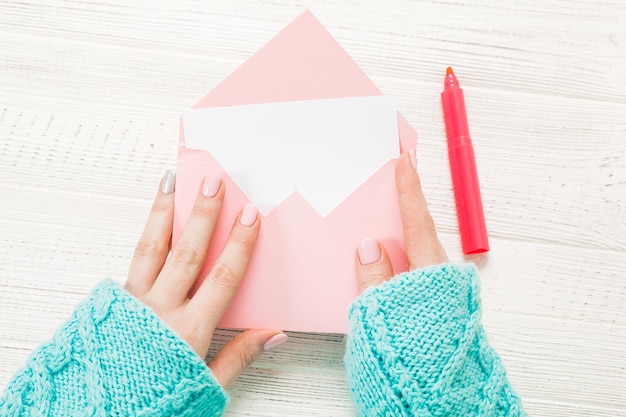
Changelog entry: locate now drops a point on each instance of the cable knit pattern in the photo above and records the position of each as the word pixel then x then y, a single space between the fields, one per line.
pixel 417 347
pixel 114 357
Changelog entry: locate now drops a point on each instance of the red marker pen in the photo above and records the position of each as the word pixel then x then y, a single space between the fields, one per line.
pixel 469 206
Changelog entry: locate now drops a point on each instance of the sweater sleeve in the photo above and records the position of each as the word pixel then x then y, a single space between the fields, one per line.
pixel 114 357
pixel 416 347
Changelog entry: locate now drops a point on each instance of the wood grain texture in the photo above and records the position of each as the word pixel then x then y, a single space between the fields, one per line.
pixel 91 96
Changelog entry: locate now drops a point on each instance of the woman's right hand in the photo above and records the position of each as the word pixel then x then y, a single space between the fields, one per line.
pixel 420 236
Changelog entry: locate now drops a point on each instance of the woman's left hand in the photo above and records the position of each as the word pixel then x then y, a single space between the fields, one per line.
pixel 163 282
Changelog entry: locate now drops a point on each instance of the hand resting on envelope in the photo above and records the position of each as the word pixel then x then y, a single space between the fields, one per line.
pixel 140 350
pixel 420 236
pixel 163 282
pixel 416 345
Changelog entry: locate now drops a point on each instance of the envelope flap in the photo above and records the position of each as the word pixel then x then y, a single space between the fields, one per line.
pixel 303 54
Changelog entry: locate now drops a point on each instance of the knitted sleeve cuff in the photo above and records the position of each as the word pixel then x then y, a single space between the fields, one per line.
pixel 114 356
pixel 416 347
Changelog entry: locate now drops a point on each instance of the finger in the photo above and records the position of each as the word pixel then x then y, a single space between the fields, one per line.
pixel 222 281
pixel 373 266
pixel 153 245
pixel 188 256
pixel 241 351
pixel 420 236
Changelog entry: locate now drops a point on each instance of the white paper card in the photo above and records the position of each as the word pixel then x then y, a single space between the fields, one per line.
pixel 324 149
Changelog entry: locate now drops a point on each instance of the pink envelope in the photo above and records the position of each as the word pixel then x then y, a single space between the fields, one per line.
pixel 302 275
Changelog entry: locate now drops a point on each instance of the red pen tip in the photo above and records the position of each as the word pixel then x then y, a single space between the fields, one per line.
pixel 449 71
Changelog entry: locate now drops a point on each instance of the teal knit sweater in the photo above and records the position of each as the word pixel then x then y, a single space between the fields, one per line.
pixel 114 357
pixel 416 348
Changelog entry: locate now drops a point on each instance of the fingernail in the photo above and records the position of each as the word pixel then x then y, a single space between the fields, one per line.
pixel 275 340
pixel 413 158
pixel 249 215
pixel 169 182
pixel 211 185
pixel 369 252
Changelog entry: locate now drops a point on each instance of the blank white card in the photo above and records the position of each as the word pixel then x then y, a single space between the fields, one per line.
pixel 323 149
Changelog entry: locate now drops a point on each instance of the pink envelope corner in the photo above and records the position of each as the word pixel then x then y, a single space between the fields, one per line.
pixel 302 275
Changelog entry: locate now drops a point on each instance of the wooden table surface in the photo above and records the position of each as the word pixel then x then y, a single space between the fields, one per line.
pixel 90 98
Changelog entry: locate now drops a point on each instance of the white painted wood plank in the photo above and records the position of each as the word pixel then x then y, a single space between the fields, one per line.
pixel 134 54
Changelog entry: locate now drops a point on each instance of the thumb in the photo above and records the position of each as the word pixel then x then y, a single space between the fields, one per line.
pixel 373 266
pixel 239 352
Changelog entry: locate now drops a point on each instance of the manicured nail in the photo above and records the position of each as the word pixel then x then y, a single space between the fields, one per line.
pixel 211 185
pixel 369 252
pixel 275 340
pixel 169 182
pixel 413 158
pixel 249 215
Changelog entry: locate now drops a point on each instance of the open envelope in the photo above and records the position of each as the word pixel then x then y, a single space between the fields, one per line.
pixel 302 275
